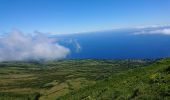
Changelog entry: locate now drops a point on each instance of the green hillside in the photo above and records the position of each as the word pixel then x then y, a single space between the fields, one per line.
pixel 147 83
pixel 49 80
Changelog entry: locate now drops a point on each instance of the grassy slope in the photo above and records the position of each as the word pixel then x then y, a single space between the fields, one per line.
pixel 148 83
pixel 46 81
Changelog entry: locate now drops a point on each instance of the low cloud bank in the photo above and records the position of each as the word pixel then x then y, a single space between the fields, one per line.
pixel 164 31
pixel 16 46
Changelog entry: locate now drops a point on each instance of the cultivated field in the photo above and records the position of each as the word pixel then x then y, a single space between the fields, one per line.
pixel 49 80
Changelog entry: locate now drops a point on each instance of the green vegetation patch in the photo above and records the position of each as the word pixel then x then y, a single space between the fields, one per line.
pixel 144 83
pixel 56 78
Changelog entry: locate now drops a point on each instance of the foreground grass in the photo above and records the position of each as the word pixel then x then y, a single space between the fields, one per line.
pixel 147 83
pixel 48 80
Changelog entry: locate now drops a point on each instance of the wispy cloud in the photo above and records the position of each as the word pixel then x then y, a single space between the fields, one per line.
pixel 17 46
pixel 78 47
pixel 76 44
pixel 165 30
pixel 151 26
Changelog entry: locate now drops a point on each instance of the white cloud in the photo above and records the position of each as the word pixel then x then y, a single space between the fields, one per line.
pixel 164 31
pixel 161 31
pixel 75 43
pixel 78 47
pixel 17 46
pixel 151 26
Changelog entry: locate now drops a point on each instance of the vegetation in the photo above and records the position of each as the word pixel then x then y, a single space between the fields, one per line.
pixel 33 80
pixel 142 83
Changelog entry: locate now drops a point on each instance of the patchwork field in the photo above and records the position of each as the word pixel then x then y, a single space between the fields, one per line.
pixel 143 83
pixel 50 80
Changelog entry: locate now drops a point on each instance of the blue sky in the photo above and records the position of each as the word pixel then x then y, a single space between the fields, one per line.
pixel 69 16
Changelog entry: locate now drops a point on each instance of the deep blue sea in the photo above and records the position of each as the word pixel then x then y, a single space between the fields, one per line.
pixel 120 44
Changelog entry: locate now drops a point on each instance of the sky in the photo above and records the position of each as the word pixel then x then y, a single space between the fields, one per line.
pixel 76 16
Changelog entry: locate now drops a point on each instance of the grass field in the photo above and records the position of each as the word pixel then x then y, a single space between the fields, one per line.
pixel 50 80
pixel 143 83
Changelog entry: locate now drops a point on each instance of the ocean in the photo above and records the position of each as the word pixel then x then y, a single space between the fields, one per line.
pixel 117 44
